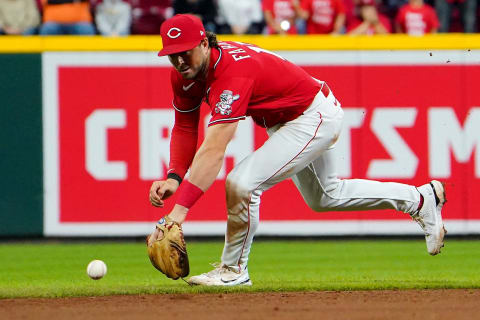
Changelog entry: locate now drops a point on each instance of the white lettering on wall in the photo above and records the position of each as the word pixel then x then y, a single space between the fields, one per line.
pixel 155 128
pixel 446 136
pixel 447 140
pixel 404 162
pixel 353 118
pixel 96 144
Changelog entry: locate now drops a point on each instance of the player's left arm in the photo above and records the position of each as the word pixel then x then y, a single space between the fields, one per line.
pixel 208 161
pixel 229 98
pixel 209 157
pixel 205 167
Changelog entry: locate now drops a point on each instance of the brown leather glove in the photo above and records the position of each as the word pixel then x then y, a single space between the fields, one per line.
pixel 169 253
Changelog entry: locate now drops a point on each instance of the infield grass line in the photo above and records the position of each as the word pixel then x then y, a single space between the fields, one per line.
pixel 59 270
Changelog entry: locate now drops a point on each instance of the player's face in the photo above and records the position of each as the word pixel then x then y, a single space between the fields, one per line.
pixel 191 63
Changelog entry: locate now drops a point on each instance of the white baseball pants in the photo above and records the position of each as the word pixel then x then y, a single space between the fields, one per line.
pixel 300 149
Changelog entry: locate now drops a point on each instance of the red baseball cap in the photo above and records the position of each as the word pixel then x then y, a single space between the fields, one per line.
pixel 181 32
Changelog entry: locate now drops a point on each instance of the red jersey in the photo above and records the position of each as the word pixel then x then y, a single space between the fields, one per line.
pixel 282 10
pixel 417 20
pixel 243 80
pixel 322 14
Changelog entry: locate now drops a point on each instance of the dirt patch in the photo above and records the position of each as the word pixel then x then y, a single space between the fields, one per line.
pixel 389 304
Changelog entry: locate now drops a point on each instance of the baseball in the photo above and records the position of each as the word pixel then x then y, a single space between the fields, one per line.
pixel 96 269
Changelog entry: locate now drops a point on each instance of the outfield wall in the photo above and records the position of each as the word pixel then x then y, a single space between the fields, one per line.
pixel 21 184
pixel 412 110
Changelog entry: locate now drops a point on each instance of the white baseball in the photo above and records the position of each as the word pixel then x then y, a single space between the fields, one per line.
pixel 96 269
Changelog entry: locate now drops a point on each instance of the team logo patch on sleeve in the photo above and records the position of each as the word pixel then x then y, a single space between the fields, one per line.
pixel 224 106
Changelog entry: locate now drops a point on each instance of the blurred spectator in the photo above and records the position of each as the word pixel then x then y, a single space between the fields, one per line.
pixel 323 16
pixel 281 16
pixel 416 18
pixel 204 9
pixel 467 10
pixel 392 7
pixel 19 17
pixel 67 17
pixel 148 15
pixel 242 16
pixel 368 20
pixel 113 18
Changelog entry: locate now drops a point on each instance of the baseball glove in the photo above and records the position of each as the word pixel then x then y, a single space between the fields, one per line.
pixel 169 253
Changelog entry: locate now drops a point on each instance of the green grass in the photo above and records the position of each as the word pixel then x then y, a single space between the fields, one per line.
pixel 59 270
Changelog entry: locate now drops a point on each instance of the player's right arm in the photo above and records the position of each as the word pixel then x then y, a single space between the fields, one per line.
pixel 183 142
pixel 183 145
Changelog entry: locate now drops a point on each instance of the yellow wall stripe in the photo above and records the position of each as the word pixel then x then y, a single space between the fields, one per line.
pixel 32 44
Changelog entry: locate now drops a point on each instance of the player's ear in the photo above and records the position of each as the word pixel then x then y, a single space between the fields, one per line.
pixel 204 44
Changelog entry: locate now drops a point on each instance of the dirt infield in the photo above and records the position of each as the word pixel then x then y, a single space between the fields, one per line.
pixel 401 304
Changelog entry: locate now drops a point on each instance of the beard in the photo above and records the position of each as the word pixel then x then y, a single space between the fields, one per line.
pixel 199 72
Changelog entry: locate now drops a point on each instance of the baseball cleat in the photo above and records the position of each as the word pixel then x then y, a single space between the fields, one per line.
pixel 222 275
pixel 429 217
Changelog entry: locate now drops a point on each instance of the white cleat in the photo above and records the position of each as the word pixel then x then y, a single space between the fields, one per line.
pixel 429 217
pixel 222 275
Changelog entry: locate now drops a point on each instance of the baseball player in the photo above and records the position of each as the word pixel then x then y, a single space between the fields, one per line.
pixel 303 120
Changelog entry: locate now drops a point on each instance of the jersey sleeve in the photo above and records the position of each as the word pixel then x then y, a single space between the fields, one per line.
pixel 186 97
pixel 228 99
pixel 183 143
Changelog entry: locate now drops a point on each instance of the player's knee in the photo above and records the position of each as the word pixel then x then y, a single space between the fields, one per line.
pixel 325 200
pixel 319 202
pixel 237 193
pixel 235 185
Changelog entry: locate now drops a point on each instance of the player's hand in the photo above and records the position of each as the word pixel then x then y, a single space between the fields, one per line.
pixel 161 190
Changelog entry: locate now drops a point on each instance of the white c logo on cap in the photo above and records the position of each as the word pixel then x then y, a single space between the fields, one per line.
pixel 170 35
